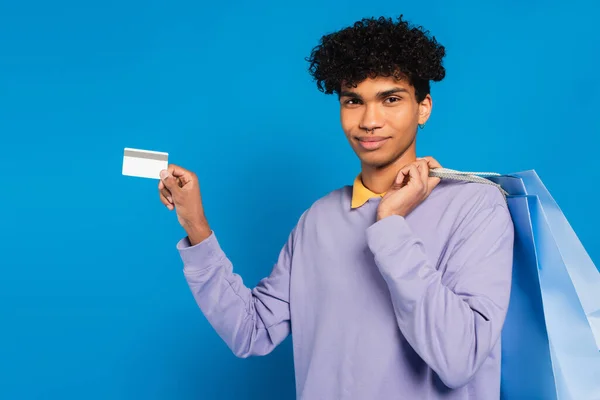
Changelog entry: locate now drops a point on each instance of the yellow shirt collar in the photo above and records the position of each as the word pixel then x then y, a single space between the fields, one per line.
pixel 360 193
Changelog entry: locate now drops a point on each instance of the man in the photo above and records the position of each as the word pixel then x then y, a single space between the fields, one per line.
pixel 393 288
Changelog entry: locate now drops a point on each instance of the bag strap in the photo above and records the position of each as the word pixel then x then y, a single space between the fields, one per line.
pixel 478 177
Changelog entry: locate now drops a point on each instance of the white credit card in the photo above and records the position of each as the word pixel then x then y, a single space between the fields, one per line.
pixel 144 163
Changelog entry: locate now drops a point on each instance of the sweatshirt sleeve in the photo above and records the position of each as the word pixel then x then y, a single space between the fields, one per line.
pixel 452 326
pixel 251 321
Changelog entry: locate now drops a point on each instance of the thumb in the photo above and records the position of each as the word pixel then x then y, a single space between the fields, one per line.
pixel 169 181
pixel 399 178
pixel 399 181
pixel 403 176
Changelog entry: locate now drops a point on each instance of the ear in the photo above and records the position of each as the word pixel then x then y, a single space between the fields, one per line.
pixel 425 109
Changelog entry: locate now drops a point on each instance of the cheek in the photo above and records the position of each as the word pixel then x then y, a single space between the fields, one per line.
pixel 348 121
pixel 402 118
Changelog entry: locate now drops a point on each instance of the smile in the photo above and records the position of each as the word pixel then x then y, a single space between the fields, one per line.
pixel 372 143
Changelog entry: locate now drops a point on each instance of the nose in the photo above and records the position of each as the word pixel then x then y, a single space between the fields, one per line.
pixel 371 118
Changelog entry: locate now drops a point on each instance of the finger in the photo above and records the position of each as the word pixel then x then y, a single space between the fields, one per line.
pixel 165 201
pixel 432 182
pixel 402 177
pixel 423 168
pixel 182 174
pixel 170 182
pixel 164 192
pixel 413 171
pixel 415 177
pixel 167 194
pixel 432 162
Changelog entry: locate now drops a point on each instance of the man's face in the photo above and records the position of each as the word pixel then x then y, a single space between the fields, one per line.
pixel 380 118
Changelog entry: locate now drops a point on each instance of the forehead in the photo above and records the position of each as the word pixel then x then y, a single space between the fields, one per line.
pixel 372 86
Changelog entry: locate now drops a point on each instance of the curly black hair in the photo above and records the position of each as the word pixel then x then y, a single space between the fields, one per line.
pixel 377 47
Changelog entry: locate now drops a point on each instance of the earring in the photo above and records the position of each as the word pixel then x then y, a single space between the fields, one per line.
pixel 421 126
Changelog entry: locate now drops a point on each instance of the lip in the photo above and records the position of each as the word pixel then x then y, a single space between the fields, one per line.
pixel 372 142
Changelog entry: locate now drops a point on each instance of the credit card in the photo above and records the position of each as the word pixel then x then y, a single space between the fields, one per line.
pixel 144 163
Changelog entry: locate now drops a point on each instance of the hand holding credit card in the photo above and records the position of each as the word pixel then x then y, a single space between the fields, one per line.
pixel 178 188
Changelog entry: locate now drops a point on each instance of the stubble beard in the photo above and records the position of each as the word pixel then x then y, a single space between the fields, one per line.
pixel 393 159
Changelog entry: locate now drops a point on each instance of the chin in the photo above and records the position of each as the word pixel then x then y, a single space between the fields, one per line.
pixel 374 160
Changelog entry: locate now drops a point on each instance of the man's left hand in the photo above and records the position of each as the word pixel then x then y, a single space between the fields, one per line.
pixel 412 185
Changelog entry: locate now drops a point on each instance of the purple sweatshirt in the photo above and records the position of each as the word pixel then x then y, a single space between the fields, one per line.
pixel 401 308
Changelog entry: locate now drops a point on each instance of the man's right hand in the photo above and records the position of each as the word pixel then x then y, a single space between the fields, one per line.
pixel 179 189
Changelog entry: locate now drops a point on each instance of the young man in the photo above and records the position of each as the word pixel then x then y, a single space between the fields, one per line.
pixel 393 288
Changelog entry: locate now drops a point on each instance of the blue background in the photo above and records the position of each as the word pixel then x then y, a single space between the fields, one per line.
pixel 93 303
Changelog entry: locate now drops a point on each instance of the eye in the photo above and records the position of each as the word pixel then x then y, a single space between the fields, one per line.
pixel 352 102
pixel 391 100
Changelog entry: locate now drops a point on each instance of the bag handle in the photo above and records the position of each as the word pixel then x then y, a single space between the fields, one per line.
pixel 478 177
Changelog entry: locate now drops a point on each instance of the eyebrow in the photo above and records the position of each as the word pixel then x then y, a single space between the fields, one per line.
pixel 385 93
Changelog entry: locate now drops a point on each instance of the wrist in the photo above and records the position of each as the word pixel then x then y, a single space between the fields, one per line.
pixel 384 214
pixel 198 231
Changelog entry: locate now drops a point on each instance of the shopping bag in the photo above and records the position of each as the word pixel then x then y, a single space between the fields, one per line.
pixel 550 340
pixel 526 368
pixel 569 290
pixel 582 271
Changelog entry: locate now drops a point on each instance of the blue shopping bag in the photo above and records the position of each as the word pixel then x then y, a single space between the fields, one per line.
pixel 527 371
pixel 551 336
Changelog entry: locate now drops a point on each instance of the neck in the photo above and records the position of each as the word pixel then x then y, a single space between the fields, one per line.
pixel 380 179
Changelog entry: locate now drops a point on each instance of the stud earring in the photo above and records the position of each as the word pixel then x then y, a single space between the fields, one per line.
pixel 421 126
